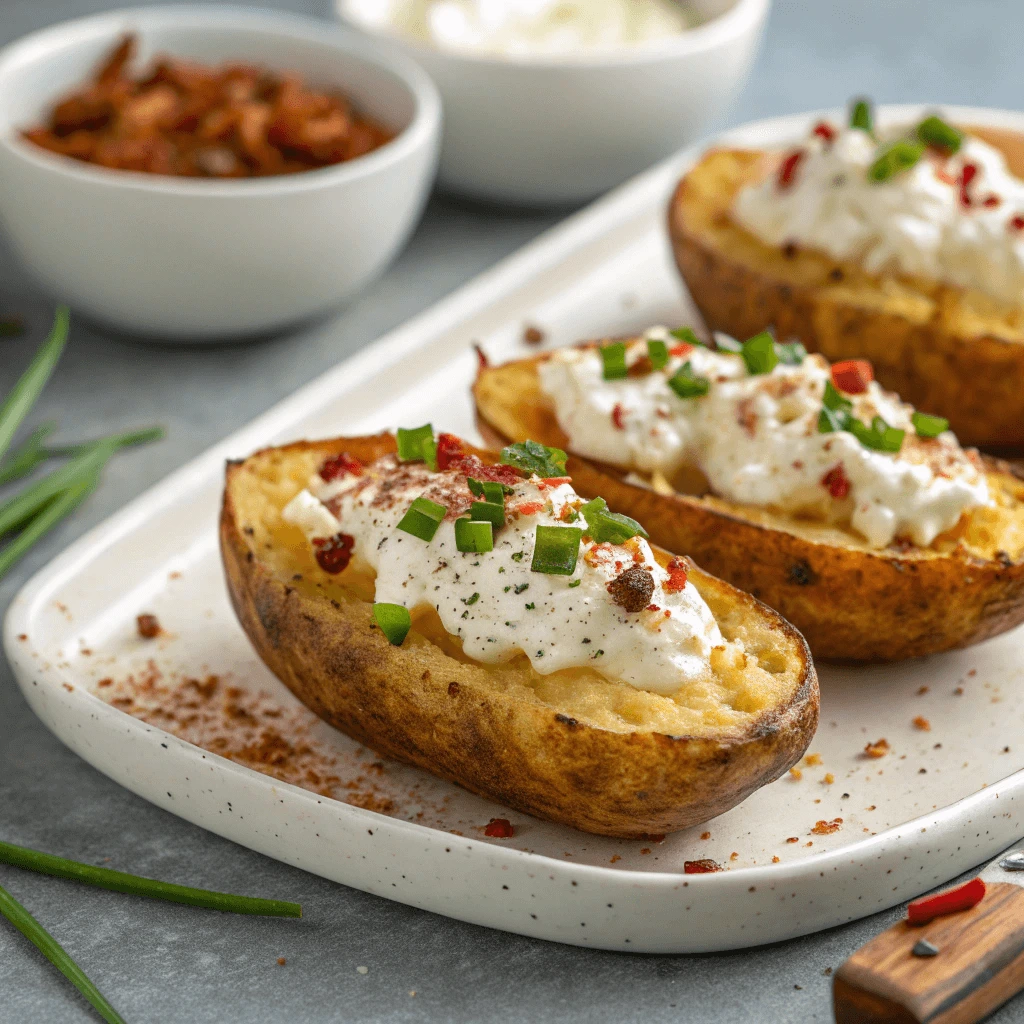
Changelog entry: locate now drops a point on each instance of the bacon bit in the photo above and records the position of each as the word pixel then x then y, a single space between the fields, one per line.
pixel 499 828
pixel 646 850
pixel 922 723
pixel 641 368
pixel 852 376
pixel 1016 223
pixel 796 774
pixel 787 169
pixel 449 449
pixel 281 961
pixel 553 481
pixel 746 416
pixel 333 554
pixel 148 626
pixel 615 859
pixel 922 690
pixel 793 839
pixel 826 828
pixel 532 335
pixel 775 860
pixel 677 575
pixel 705 835
pixel 952 901
pixel 482 362
pixel 340 465
pixel 617 420
pixel 877 749
pixel 812 760
pixel 734 856
pixel 682 349
pixel 528 508
pixel 828 779
pixel 836 483
pixel 991 201
pixel 705 866
pixel 824 131
pixel 967 175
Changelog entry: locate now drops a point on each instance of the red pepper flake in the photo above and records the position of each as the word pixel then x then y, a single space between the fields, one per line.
pixel 836 482
pixel 529 508
pixel 449 449
pixel 499 828
pixel 991 201
pixel 617 420
pixel 826 828
pixel 705 866
pixel 682 349
pixel 334 553
pixel 553 481
pixel 653 608
pixel 967 175
pixel 852 376
pixel 787 169
pixel 963 897
pixel 824 131
pixel 1016 223
pixel 677 574
pixel 339 465
pixel 148 626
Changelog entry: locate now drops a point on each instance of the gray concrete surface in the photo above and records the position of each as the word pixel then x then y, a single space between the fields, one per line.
pixel 176 965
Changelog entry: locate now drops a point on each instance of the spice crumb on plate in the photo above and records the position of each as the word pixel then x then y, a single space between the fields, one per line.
pixel 281 961
pixel 148 626
pixel 922 723
pixel 877 749
pixel 532 335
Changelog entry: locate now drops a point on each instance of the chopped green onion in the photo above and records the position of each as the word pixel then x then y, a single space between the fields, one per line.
pixel 657 352
pixel 861 116
pixel 556 550
pixel 56 954
pixel 832 399
pixel 831 420
pixel 725 343
pixel 487 511
pixel 885 438
pixel 613 360
pixel 472 599
pixel 933 131
pixel 686 384
pixel 575 583
pixel 759 353
pixel 688 335
pixel 792 353
pixel 531 457
pixel 26 391
pixel 414 445
pixel 894 158
pixel 422 518
pixel 609 527
pixel 135 885
pixel 927 425
pixel 489 490
pixel 474 536
pixel 394 621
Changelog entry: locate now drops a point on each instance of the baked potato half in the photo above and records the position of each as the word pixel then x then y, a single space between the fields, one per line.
pixel 571 747
pixel 956 353
pixel 849 600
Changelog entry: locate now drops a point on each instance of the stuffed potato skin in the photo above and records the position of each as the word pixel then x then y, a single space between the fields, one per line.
pixel 454 718
pixel 850 601
pixel 955 354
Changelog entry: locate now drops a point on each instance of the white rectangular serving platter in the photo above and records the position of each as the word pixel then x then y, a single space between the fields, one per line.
pixel 942 800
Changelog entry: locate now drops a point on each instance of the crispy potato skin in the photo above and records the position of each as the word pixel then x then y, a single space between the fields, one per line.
pixel 849 601
pixel 945 351
pixel 417 704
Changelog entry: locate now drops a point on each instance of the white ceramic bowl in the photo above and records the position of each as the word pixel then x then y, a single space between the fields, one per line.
pixel 201 259
pixel 556 131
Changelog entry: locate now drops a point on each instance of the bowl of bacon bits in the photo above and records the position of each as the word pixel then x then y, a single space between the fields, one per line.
pixel 210 173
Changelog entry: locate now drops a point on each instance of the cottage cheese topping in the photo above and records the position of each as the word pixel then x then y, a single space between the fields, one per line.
pixel 492 601
pixel 924 221
pixel 756 439
pixel 526 27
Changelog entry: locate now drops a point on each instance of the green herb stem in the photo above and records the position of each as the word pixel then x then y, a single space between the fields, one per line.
pixel 25 458
pixel 123 440
pixel 56 954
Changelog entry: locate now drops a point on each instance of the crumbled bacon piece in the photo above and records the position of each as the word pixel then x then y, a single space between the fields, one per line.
pixel 677 574
pixel 877 749
pixel 682 349
pixel 553 481
pixel 787 169
pixel 824 131
pixel 922 723
pixel 334 553
pixel 852 376
pixel 529 508
pixel 499 828
pixel 640 367
pixel 991 201
pixel 826 828
pixel 617 420
pixel 1016 222
pixel 704 866
pixel 449 448
pixel 148 626
pixel 967 175
pixel 836 483
pixel 340 465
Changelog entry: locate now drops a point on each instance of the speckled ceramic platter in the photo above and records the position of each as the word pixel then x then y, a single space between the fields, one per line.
pixel 851 835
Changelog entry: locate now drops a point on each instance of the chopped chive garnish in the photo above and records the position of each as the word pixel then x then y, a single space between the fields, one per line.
pixel 56 954
pixel 394 621
pixel 933 131
pixel 32 381
pixel 486 511
pixel 556 549
pixel 878 437
pixel 473 536
pixel 688 335
pixel 531 457
pixel 726 343
pixel 831 420
pixel 488 490
pixel 575 583
pixel 657 352
pixel 417 445
pixel 613 361
pixel 927 425
pixel 520 587
pixel 609 527
pixel 792 353
pixel 832 399
pixel 686 384
pixel 759 353
pixel 422 518
pixel 894 158
pixel 861 116
pixel 517 556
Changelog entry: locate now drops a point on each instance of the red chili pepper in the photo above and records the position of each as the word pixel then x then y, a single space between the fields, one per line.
pixel 787 169
pixel 339 465
pixel 700 867
pixel 952 901
pixel 333 554
pixel 677 574
pixel 529 508
pixel 617 420
pixel 824 131
pixel 836 482
pixel 967 175
pixel 1017 223
pixel 500 828
pixel 682 349
pixel 852 376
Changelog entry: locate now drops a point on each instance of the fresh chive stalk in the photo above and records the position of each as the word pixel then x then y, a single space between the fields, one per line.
pixel 29 455
pixel 933 131
pixel 895 158
pixel 861 116
pixel 135 885
pixel 122 440
pixel 56 954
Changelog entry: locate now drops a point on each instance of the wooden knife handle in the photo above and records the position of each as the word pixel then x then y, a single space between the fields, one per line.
pixel 980 964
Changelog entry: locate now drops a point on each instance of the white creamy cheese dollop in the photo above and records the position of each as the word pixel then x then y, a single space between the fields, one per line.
pixel 492 601
pixel 756 440
pixel 561 28
pixel 923 221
